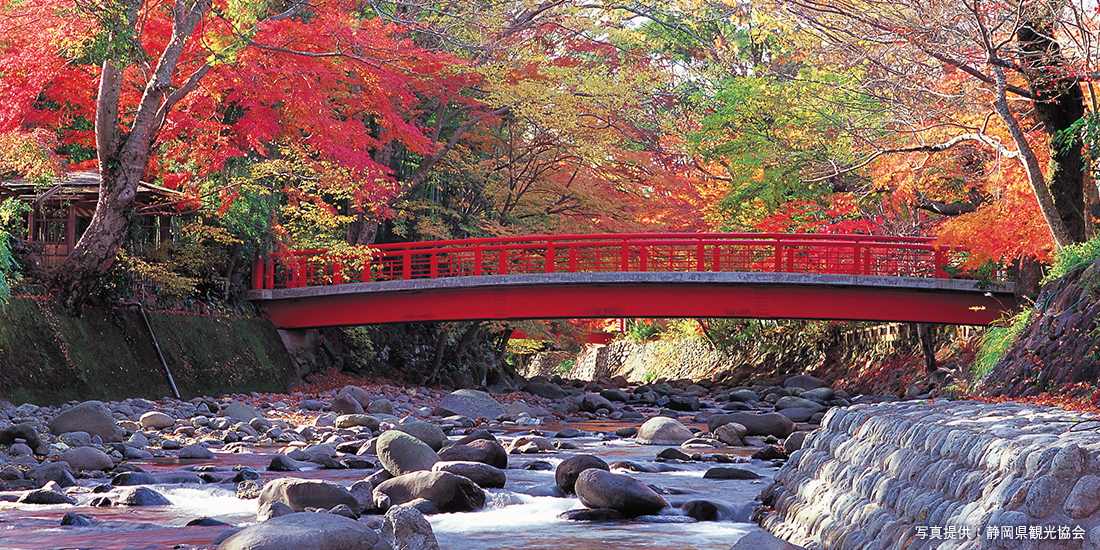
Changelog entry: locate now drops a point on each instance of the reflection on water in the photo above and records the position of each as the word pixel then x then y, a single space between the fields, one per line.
pixel 512 518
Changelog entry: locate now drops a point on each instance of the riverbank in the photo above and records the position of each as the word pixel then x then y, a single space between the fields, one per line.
pixel 49 358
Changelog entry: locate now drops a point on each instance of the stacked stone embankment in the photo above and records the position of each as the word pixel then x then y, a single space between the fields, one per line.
pixel 949 475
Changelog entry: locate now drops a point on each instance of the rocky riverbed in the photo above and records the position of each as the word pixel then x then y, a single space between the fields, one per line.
pixel 559 465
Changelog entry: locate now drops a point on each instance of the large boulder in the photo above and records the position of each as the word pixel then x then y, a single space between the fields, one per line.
pixel 804 382
pixel 142 496
pixel 239 411
pixel 567 472
pixel 156 420
pixel 447 491
pixel 359 394
pixel 353 420
pixel 756 424
pixel 25 432
pixel 345 404
pixel 662 430
pixel 486 476
pixel 599 489
pixel 304 530
pixel 88 458
pixel 471 403
pixel 429 433
pixel 478 450
pixel 401 453
pixel 545 389
pixel 92 417
pixel 300 494
pixel 405 528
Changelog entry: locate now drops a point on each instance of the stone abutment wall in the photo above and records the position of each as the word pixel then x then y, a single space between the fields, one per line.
pixel 947 475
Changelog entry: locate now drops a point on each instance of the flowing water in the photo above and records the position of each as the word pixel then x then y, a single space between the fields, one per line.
pixel 513 518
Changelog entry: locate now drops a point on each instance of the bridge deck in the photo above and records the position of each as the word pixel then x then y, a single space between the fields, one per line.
pixel 610 295
pixel 851 277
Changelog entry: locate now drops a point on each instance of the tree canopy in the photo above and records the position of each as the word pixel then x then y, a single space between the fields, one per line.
pixel 318 123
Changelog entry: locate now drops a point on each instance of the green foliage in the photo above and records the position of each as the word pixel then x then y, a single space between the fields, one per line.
pixel 997 340
pixel 565 367
pixel 1073 256
pixel 1085 132
pixel 10 223
pixel 642 330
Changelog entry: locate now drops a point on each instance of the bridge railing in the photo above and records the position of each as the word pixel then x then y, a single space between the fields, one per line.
pixel 670 252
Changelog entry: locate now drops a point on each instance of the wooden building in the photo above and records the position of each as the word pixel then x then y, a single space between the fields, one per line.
pixel 61 212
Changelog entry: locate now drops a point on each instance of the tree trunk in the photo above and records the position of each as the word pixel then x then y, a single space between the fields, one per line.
pixel 77 277
pixel 927 349
pixel 1059 102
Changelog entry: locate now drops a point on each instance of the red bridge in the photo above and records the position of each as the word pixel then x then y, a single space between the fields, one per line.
pixel 769 276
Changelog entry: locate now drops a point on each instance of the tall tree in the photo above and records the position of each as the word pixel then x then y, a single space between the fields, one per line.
pixel 991 55
pixel 197 83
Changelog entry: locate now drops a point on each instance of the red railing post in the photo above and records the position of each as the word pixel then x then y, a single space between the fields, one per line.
pixel 573 253
pixel 549 259
pixel 299 274
pixel 257 274
pixel 269 273
pixel 778 256
pixel 643 258
pixel 502 266
pixel 433 271
pixel 939 260
pixel 716 264
pixel 477 259
pixel 406 267
pixel 337 272
pixel 857 259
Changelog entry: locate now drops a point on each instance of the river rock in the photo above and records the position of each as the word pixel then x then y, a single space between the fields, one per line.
pixel 744 396
pixel 88 458
pixel 730 473
pixel 804 382
pixel 731 433
pixel 46 496
pixel 142 496
pixel 197 452
pixel 471 403
pixel 756 424
pixel 354 420
pixel 447 491
pixel 708 510
pixel 25 432
pixel 793 442
pixel 345 404
pixel 58 472
pixel 486 476
pixel 792 402
pixel 567 472
pixel 798 414
pixel 80 439
pixel 599 489
pixel 479 450
pixel 90 416
pixel 545 389
pixel 592 403
pixel 304 530
pixel 662 430
pixel 156 420
pixel 358 394
pixel 77 520
pixel 380 406
pixel 429 433
pixel 401 453
pixel 300 494
pixel 272 509
pixel 405 528
pixel 239 411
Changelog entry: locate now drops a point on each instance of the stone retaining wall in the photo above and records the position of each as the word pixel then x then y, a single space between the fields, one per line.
pixel 919 476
